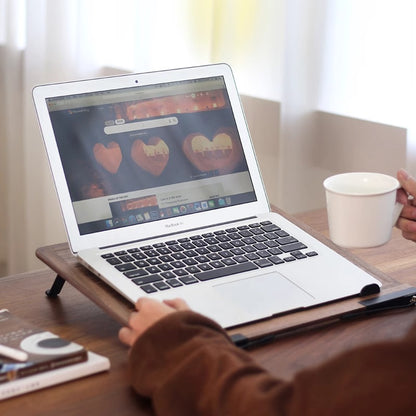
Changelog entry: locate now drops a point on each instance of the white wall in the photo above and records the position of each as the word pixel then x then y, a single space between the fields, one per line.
pixel 328 144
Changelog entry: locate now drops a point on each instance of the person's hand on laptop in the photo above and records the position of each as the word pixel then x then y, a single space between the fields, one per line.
pixel 406 195
pixel 148 312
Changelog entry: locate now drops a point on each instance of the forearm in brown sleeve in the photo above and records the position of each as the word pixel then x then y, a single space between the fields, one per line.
pixel 187 366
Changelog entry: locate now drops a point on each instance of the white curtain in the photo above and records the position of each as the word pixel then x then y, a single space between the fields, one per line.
pixel 44 41
pixel 352 57
pixel 355 58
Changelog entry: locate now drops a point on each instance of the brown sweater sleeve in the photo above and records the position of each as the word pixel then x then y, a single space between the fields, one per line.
pixel 187 366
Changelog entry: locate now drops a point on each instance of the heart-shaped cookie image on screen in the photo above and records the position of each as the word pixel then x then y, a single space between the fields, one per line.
pixel 108 157
pixel 152 157
pixel 222 153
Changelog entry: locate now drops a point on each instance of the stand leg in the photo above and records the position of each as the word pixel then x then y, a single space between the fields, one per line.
pixel 56 287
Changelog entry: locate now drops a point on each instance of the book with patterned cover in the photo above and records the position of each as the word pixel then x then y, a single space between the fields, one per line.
pixel 45 350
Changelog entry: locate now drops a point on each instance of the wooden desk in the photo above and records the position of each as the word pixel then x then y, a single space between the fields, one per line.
pixel 73 316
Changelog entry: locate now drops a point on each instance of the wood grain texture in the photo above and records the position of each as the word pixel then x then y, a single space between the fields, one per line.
pixel 74 316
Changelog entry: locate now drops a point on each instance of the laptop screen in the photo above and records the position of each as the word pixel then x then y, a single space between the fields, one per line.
pixel 140 154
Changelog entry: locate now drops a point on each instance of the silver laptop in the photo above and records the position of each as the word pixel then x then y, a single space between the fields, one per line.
pixel 162 196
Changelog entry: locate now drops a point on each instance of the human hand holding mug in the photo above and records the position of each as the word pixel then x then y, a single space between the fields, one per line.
pixel 406 195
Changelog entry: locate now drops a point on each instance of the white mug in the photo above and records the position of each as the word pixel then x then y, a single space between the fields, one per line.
pixel 362 208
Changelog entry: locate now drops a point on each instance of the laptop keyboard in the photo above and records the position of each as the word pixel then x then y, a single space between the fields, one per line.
pixel 185 261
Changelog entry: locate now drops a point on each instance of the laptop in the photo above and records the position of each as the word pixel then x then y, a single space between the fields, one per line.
pixel 162 196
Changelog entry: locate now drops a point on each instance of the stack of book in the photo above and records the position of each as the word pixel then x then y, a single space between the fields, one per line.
pixel 32 359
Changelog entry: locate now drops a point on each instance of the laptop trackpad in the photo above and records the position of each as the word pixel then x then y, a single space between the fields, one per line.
pixel 264 295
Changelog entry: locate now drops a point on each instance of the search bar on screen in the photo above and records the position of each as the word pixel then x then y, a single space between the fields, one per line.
pixel 140 125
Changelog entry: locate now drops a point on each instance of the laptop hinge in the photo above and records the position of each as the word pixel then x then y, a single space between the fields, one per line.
pixel 177 233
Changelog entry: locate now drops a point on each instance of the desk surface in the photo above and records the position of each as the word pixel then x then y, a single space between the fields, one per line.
pixel 73 316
